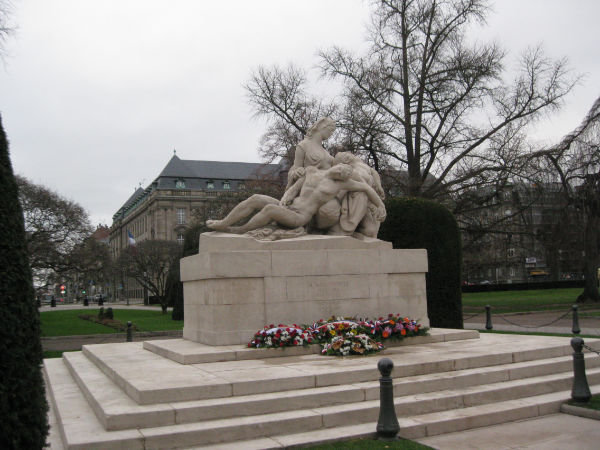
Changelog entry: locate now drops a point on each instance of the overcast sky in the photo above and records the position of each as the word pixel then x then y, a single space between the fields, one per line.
pixel 95 95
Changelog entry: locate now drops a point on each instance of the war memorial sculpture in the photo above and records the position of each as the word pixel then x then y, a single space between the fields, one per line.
pixel 312 254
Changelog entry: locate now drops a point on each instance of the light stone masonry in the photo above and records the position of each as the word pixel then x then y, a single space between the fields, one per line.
pixel 236 284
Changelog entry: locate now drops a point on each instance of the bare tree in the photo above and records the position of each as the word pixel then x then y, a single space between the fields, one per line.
pixel 149 263
pixel 575 163
pixel 54 228
pixel 425 102
pixel 91 262
pixel 280 95
pixel 5 27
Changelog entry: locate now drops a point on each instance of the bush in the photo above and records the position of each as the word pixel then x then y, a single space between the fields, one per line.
pixel 109 314
pixel 23 407
pixel 175 290
pixel 419 223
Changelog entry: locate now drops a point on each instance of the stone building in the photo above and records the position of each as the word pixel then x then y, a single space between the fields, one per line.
pixel 524 233
pixel 184 189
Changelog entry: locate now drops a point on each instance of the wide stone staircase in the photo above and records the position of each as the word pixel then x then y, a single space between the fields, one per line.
pixel 181 394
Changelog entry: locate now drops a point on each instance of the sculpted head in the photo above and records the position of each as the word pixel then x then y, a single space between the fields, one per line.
pixel 344 158
pixel 324 126
pixel 341 172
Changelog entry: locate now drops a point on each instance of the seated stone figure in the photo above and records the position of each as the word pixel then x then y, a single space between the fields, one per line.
pixel 309 193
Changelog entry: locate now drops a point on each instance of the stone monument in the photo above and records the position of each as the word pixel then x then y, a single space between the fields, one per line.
pixel 308 256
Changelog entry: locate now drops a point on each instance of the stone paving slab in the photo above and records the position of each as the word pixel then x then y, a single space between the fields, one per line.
pixel 185 351
pixel 136 370
pixel 116 410
pixel 82 426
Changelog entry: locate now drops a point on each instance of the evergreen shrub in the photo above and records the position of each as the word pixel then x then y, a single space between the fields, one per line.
pixel 420 223
pixel 23 406
pixel 190 247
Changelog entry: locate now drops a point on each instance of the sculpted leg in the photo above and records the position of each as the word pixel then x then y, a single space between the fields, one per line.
pixel 268 214
pixel 242 211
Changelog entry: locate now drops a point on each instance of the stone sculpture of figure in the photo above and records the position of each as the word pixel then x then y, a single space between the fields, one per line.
pixel 355 215
pixel 309 193
pixel 310 151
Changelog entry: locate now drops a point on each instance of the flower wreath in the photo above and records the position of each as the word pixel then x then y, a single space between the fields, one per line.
pixel 340 336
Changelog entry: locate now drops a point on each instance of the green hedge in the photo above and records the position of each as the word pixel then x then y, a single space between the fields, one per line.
pixel 23 407
pixel 419 223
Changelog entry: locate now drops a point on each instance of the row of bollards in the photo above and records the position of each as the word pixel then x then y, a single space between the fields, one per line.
pixel 387 424
pixel 581 389
pixel 574 328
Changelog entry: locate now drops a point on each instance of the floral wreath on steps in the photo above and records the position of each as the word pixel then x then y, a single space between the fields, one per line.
pixel 340 336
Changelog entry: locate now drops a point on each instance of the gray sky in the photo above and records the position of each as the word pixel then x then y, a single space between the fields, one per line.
pixel 95 95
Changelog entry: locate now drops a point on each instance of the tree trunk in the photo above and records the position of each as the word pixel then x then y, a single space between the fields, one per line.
pixel 163 304
pixel 591 259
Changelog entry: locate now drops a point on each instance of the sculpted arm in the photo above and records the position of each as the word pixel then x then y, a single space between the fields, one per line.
pixel 352 185
pixel 297 169
pixel 377 183
pixel 292 192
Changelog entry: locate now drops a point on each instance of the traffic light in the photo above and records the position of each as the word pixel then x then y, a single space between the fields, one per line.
pixel 62 288
pixel 83 291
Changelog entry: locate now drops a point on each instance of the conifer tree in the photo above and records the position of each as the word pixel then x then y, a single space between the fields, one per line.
pixel 23 406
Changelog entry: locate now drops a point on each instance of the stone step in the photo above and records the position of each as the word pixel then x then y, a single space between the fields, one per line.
pixel 136 370
pixel 83 430
pixel 115 410
pixel 420 426
pixel 185 351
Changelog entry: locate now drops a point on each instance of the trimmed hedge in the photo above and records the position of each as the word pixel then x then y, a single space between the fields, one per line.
pixel 175 291
pixel 420 223
pixel 23 407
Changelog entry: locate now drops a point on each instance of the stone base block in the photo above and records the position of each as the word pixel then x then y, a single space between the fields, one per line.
pixel 236 285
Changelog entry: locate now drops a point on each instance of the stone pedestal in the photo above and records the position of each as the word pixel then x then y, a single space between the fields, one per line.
pixel 236 284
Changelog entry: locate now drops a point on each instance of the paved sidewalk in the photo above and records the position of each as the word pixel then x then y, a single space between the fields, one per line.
pixel 556 431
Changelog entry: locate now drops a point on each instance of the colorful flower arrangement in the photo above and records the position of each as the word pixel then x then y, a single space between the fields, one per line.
pixel 340 336
pixel 281 335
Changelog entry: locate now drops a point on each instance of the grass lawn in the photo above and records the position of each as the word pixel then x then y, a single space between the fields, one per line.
pixel 520 301
pixel 368 444
pixel 594 403
pixel 67 323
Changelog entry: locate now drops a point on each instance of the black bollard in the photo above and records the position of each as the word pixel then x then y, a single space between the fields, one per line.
pixel 488 317
pixel 575 329
pixel 53 302
pixel 129 332
pixel 387 425
pixel 86 302
pixel 581 390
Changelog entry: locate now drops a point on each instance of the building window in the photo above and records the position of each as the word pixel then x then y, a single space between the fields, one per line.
pixel 226 185
pixel 180 239
pixel 180 184
pixel 210 184
pixel 180 216
pixel 513 272
pixel 511 252
pixel 241 186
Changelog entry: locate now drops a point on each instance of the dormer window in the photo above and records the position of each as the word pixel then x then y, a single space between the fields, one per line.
pixel 210 184
pixel 180 184
pixel 226 185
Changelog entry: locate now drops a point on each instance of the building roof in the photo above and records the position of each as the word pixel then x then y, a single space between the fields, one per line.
pixel 196 174
pixel 223 170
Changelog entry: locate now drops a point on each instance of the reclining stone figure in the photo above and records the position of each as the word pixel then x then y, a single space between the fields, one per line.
pixel 309 193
